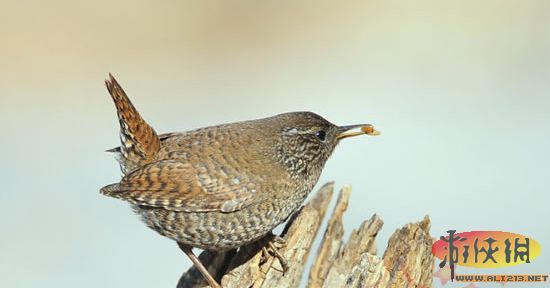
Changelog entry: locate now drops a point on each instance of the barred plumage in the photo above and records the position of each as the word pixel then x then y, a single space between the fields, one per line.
pixel 224 186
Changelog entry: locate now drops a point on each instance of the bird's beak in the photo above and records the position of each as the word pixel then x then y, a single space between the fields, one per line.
pixel 355 130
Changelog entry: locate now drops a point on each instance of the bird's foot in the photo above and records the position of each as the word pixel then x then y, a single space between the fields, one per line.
pixel 272 248
pixel 278 241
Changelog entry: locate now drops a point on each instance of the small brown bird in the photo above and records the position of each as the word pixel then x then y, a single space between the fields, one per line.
pixel 224 186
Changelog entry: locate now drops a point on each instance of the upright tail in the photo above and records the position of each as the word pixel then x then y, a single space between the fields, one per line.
pixel 139 142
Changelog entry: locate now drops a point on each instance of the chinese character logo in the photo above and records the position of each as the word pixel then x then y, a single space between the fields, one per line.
pixel 484 249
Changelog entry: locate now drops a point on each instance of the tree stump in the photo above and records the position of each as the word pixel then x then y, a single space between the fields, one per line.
pixel 407 261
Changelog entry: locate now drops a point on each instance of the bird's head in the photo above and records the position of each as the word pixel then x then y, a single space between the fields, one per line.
pixel 306 140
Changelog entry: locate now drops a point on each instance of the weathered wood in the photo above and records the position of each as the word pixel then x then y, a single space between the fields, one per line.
pixel 332 241
pixel 408 258
pixel 407 262
pixel 362 241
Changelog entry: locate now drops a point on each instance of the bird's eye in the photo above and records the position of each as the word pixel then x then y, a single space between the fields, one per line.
pixel 321 135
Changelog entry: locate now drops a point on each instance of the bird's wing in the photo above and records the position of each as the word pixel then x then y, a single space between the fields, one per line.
pixel 174 185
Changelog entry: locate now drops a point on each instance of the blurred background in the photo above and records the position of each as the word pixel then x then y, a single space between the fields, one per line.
pixel 459 89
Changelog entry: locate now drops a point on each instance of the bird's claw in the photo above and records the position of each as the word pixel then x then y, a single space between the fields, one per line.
pixel 278 241
pixel 273 246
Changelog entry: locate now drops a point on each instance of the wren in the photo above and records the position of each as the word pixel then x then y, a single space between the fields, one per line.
pixel 224 186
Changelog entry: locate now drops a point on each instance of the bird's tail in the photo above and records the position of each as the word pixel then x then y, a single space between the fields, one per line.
pixel 139 142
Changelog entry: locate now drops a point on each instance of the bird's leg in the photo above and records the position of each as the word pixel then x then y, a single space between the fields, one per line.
pixel 282 259
pixel 265 255
pixel 189 252
pixel 274 244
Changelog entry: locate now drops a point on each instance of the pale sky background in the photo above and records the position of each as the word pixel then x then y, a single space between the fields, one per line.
pixel 459 89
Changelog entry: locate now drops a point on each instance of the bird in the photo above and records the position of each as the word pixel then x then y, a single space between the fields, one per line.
pixel 224 186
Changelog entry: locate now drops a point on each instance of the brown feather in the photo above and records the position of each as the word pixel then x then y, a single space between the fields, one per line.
pixel 223 186
pixel 173 185
pixel 140 142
